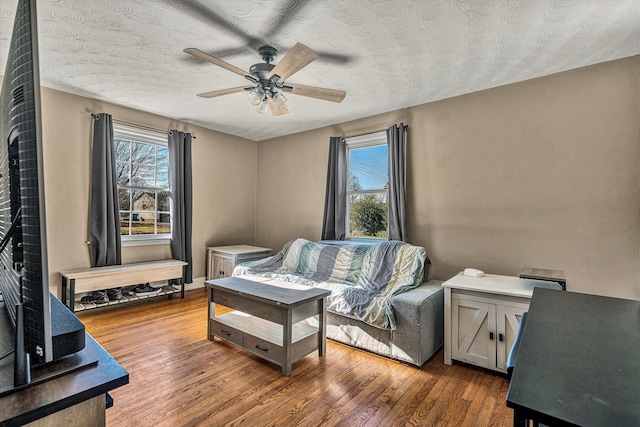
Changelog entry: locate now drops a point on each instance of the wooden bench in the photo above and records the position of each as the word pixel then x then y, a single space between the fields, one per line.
pixel 114 276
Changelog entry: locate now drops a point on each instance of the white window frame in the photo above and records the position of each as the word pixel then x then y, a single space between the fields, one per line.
pixel 147 136
pixel 356 142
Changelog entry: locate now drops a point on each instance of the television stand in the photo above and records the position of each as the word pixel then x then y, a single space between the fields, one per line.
pixel 66 396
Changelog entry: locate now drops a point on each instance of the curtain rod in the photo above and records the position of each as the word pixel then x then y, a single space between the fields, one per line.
pixel 135 125
pixel 370 132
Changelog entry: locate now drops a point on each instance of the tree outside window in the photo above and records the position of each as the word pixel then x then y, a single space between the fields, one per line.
pixel 142 171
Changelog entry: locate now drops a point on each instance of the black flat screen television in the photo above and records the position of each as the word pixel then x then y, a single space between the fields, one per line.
pixel 45 330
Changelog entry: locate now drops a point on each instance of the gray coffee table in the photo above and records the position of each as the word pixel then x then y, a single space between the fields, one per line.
pixel 268 318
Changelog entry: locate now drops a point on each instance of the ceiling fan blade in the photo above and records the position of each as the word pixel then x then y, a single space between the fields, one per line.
pixel 275 111
pixel 296 59
pixel 333 57
pixel 219 62
pixel 332 95
pixel 222 92
pixel 287 11
pixel 207 15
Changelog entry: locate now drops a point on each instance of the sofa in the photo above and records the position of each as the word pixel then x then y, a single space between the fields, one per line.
pixel 380 299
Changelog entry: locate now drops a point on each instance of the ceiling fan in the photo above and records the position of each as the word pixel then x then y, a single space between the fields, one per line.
pixel 268 80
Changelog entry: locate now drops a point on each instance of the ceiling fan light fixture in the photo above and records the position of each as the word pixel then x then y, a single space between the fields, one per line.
pixel 256 96
pixel 262 106
pixel 280 100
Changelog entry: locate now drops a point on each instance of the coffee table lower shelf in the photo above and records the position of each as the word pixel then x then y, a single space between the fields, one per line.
pixel 264 338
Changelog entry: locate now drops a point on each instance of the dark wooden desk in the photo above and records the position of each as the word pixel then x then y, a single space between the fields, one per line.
pixel 76 398
pixel 579 361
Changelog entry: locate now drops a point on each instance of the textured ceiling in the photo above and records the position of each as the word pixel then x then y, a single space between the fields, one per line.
pixel 387 55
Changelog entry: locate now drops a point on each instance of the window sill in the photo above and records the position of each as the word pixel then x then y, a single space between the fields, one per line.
pixel 145 241
pixel 355 241
pixel 367 239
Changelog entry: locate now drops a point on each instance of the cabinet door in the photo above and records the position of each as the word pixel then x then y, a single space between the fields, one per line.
pixel 221 267
pixel 473 332
pixel 508 321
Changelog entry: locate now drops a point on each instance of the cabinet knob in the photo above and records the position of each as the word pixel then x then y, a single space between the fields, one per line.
pixel 490 335
pixel 501 337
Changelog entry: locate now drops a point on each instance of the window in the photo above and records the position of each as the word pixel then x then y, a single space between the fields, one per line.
pixel 142 169
pixel 368 186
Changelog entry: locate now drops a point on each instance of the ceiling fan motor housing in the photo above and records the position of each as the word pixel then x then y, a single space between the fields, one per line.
pixel 261 70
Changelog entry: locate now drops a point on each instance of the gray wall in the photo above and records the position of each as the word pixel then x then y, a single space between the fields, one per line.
pixel 543 173
pixel 224 184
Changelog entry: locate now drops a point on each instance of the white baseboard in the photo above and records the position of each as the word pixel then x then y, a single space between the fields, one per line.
pixel 198 283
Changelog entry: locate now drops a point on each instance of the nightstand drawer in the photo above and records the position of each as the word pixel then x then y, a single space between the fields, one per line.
pixel 226 332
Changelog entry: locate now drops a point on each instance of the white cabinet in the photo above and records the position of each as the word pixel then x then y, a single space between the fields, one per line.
pixel 482 316
pixel 221 260
pixel 220 266
pixel 483 332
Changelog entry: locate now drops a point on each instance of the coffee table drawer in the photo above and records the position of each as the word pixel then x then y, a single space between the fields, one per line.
pixel 264 349
pixel 226 332
pixel 256 308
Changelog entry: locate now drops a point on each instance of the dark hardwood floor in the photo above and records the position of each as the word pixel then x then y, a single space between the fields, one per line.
pixel 179 378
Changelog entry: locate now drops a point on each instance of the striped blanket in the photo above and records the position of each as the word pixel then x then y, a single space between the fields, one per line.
pixel 362 278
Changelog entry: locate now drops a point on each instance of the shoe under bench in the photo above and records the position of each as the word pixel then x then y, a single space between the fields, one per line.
pixel 114 276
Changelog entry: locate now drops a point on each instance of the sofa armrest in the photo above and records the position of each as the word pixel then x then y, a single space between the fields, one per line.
pixel 419 315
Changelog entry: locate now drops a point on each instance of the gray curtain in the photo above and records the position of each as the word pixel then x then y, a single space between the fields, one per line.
pixel 397 142
pixel 182 196
pixel 104 221
pixel 335 201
